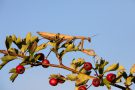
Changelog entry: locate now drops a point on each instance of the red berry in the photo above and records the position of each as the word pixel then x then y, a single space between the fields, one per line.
pixel 87 66
pixel 20 69
pixel 110 77
pixel 53 82
pixel 61 80
pixel 96 82
pixel 44 62
pixel 41 56
pixel 82 88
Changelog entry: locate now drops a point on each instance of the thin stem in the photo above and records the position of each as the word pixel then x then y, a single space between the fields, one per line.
pixel 48 54
pixel 89 86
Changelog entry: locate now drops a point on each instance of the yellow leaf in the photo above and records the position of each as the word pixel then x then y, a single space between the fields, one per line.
pixel 28 37
pixel 119 76
pixel 121 68
pixel 40 47
pixel 82 79
pixel 132 70
pixel 69 47
pixel 112 67
pixel 73 66
pixel 129 81
pixel 71 77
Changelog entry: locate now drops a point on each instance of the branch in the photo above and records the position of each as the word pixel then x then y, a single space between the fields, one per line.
pixel 13 54
pixel 118 86
pixel 61 66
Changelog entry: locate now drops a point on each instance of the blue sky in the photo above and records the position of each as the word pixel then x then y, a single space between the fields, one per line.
pixel 113 21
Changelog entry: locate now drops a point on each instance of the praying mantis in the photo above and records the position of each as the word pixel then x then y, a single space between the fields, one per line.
pixel 64 37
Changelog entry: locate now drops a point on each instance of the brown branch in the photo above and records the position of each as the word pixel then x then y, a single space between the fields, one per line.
pixel 118 86
pixel 61 66
pixel 13 54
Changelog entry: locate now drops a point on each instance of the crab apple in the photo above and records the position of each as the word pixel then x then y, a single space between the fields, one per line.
pixel 41 56
pixel 110 77
pixel 96 82
pixel 44 62
pixel 87 66
pixel 82 87
pixel 53 82
pixel 61 80
pixel 20 69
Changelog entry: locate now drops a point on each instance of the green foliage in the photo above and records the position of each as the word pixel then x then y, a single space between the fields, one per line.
pixel 71 77
pixel 13 77
pixel 60 45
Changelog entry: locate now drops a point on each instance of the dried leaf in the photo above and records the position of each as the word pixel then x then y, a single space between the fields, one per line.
pixel 89 52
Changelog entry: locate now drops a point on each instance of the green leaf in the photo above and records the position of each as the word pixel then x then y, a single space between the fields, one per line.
pixel 13 70
pixel 79 62
pixel 129 80
pixel 13 51
pixel 71 77
pixel 8 58
pixel 13 77
pixel 124 75
pixel 8 42
pixel 119 77
pixel 73 66
pixel 132 70
pixel 24 48
pixel 28 38
pixel 41 47
pixel 69 47
pixel 82 70
pixel 14 38
pixel 53 44
pixel 19 40
pixel 101 66
pixel 107 83
pixel 82 79
pixel 36 58
pixel 62 53
pixel 34 38
pixel 1 67
pixel 112 67
pixel 3 64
